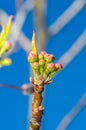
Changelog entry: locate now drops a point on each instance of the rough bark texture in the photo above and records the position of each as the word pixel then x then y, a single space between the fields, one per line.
pixel 37 109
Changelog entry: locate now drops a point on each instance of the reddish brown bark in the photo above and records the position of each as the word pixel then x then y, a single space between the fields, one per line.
pixel 37 109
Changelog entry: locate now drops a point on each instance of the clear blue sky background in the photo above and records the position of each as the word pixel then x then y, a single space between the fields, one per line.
pixel 68 87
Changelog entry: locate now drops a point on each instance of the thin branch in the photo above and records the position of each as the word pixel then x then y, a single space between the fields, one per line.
pixel 10 86
pixel 18 3
pixel 74 50
pixel 19 19
pixel 66 17
pixel 21 39
pixel 72 114
pixel 39 20
pixel 65 60
pixel 25 88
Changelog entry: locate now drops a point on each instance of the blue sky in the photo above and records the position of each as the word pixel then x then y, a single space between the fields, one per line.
pixel 68 86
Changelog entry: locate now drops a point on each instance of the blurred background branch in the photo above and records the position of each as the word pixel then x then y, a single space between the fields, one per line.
pixel 43 34
pixel 17 25
pixel 40 22
pixel 74 50
pixel 72 114
pixel 66 17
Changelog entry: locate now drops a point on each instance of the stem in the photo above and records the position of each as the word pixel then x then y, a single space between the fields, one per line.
pixel 10 86
pixel 37 109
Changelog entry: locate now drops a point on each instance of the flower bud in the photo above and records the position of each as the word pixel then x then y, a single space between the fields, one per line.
pixel 58 66
pixel 35 67
pixel 5 62
pixel 32 57
pixel 41 55
pixel 41 62
pixel 45 56
pixel 50 67
pixel 49 57
pixel 6 46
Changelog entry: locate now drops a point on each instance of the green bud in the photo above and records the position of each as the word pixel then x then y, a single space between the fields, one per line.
pixel 58 66
pixel 41 64
pixel 57 69
pixel 5 62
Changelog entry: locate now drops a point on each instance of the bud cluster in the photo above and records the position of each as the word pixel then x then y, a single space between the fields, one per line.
pixel 42 64
pixel 43 69
pixel 5 45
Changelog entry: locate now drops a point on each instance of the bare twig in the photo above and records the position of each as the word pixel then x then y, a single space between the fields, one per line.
pixel 10 86
pixel 25 88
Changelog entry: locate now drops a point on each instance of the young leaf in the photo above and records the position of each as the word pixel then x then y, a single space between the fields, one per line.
pixel 34 48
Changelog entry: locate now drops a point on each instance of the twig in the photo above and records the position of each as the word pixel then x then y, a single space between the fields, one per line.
pixel 66 16
pixel 22 39
pixel 19 19
pixel 80 43
pixel 37 109
pixel 40 25
pixel 10 86
pixel 39 20
pixel 18 3
pixel 25 88
pixel 73 113
pixel 43 71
